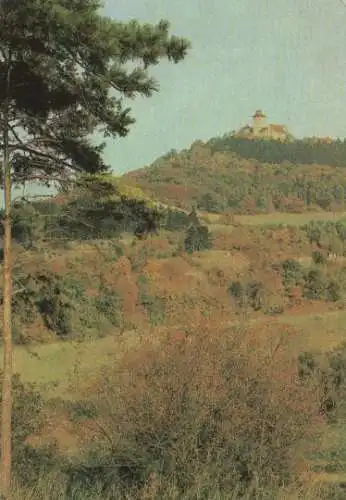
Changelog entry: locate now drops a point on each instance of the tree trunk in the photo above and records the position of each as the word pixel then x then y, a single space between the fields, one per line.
pixel 6 410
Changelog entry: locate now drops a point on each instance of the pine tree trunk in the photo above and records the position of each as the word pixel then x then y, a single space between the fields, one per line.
pixel 6 409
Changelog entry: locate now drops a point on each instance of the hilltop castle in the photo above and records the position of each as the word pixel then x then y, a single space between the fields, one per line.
pixel 259 129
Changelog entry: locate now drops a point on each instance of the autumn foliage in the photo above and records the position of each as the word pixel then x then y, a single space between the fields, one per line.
pixel 208 408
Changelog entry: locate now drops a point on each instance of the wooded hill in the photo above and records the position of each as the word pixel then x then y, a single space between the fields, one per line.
pixel 249 176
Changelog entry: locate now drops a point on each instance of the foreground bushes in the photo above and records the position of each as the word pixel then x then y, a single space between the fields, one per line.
pixel 198 415
pixel 328 372
pixel 315 283
pixel 216 415
pixel 28 419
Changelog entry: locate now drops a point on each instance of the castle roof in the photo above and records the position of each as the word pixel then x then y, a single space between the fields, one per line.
pixel 278 128
pixel 259 114
pixel 270 130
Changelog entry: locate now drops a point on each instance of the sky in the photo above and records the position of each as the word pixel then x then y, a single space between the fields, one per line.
pixel 286 57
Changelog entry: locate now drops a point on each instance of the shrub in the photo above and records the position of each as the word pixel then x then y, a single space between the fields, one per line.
pixel 197 238
pixel 274 309
pixel 44 294
pixel 27 224
pixel 175 220
pixel 198 412
pixel 292 274
pixel 333 291
pixel 58 300
pixel 81 410
pixel 251 294
pixel 314 231
pixel 155 307
pixel 27 420
pixel 237 290
pixel 315 285
pixel 54 305
pixel 255 293
pixel 109 304
pixel 328 372
pixel 318 258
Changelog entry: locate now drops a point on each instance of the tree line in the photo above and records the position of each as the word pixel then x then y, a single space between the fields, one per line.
pixel 300 151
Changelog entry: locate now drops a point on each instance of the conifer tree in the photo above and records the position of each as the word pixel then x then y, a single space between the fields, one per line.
pixel 65 70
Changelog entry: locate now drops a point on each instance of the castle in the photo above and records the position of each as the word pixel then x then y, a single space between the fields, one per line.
pixel 259 129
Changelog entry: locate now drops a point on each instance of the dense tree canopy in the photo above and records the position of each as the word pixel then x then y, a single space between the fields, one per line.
pixel 302 151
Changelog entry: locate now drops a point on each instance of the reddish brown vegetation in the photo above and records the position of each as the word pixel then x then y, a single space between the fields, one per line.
pixel 175 389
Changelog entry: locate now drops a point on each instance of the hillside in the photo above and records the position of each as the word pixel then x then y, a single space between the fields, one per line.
pixel 249 176
pixel 91 308
pixel 178 332
pixel 116 297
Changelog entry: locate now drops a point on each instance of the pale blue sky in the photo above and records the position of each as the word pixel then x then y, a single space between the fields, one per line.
pixel 287 57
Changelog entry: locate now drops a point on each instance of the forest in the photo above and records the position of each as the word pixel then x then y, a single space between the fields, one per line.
pixel 246 176
pixel 299 151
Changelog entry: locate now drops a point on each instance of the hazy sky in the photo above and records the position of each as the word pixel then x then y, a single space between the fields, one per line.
pixel 287 57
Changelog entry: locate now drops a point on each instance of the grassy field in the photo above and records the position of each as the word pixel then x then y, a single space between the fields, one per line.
pixel 216 224
pixel 55 367
pixel 318 331
pixel 287 218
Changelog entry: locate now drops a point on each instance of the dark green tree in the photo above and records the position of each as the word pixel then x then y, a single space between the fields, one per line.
pixel 71 69
pixel 65 70
pixel 315 285
pixel 193 217
pixel 197 238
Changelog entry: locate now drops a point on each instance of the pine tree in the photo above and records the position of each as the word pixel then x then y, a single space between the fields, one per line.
pixel 193 217
pixel 65 70
pixel 197 238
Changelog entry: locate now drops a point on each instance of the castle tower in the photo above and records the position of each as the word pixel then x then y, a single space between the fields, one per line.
pixel 258 122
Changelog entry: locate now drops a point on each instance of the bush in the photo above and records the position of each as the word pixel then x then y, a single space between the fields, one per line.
pixel 60 301
pixel 27 420
pixel 292 274
pixel 197 414
pixel 333 291
pixel 81 410
pixel 44 294
pixel 315 285
pixel 175 220
pixel 109 304
pixel 197 238
pixel 27 224
pixel 255 293
pixel 251 294
pixel 155 307
pixel 237 290
pixel 328 372
pixel 318 258
pixel 314 231
pixel 54 306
